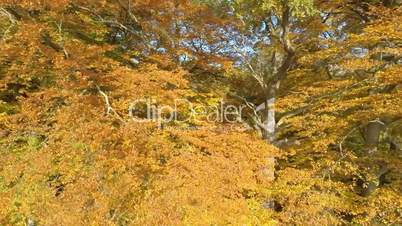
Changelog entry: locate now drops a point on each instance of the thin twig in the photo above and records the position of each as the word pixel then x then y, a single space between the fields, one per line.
pixel 60 30
pixel 256 117
pixel 109 108
pixel 116 23
pixel 257 76
pixel 343 156
pixel 344 139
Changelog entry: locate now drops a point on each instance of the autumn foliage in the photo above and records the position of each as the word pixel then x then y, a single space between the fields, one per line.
pixel 71 152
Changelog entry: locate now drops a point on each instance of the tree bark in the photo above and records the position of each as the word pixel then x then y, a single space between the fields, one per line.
pixel 377 182
pixel 269 124
pixel 372 135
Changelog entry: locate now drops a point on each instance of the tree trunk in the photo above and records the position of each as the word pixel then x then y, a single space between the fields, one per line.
pixel 371 186
pixel 269 124
pixel 372 135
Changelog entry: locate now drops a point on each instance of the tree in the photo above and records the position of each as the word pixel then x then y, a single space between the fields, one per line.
pixel 321 80
pixel 71 154
pixel 277 26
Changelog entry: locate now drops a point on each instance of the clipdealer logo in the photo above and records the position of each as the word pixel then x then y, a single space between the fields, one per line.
pixel 182 110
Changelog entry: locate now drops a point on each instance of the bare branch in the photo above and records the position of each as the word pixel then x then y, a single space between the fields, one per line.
pixel 117 24
pixel 257 76
pixel 255 116
pixel 344 139
pixel 60 31
pixel 108 106
pixel 12 20
pixel 129 11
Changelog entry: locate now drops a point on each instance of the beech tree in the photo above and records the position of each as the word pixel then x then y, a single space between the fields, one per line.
pixel 321 81
pixel 278 27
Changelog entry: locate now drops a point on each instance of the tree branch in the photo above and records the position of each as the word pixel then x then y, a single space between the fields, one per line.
pixel 257 76
pixel 108 106
pixel 11 18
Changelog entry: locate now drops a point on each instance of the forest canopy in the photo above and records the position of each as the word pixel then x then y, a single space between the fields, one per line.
pixel 200 112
